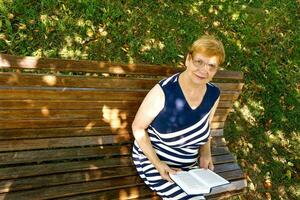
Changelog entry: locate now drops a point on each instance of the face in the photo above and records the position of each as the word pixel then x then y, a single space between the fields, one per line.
pixel 201 69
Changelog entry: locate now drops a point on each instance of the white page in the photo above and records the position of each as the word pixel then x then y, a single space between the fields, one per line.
pixel 189 184
pixel 208 177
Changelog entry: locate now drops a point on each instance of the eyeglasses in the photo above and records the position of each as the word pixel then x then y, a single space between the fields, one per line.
pixel 199 63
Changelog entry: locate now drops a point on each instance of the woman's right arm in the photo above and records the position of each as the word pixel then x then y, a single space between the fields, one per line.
pixel 149 109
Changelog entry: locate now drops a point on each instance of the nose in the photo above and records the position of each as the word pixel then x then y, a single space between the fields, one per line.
pixel 205 67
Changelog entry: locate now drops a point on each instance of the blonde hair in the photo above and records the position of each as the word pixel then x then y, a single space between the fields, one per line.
pixel 209 46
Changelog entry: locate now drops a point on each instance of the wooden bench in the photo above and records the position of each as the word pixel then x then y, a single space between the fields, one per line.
pixel 65 129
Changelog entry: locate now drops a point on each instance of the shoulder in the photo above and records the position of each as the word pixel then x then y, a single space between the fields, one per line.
pixel 213 88
pixel 169 81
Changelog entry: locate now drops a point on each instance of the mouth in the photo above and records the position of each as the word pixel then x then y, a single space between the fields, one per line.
pixel 200 76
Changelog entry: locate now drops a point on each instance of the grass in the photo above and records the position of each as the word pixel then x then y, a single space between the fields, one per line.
pixel 261 39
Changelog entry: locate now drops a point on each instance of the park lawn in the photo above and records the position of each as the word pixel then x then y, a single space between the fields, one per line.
pixel 261 39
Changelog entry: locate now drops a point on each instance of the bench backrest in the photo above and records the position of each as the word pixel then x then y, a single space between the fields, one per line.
pixel 65 126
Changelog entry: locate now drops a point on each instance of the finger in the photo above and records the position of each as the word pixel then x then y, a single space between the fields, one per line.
pixel 177 169
pixel 204 165
pixel 171 170
pixel 167 178
pixel 211 166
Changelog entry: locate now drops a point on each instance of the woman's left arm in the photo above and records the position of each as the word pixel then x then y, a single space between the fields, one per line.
pixel 205 152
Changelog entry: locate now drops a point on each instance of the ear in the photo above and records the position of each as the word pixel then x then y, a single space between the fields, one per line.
pixel 187 59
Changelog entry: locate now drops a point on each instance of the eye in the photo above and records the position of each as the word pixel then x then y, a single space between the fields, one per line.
pixel 212 66
pixel 200 62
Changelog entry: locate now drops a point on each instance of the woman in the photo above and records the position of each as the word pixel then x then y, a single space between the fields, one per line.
pixel 171 127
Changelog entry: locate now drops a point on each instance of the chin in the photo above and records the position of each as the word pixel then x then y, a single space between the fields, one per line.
pixel 199 81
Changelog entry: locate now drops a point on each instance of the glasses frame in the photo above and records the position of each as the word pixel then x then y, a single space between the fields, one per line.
pixel 199 63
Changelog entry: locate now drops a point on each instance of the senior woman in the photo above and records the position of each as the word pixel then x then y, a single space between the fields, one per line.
pixel 172 125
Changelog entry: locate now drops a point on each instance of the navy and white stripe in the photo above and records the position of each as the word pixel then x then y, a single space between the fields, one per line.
pixel 176 134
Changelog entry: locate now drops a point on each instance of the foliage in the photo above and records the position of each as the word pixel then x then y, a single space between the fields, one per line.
pixel 261 39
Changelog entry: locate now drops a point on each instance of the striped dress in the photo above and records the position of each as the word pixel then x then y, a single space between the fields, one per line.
pixel 176 134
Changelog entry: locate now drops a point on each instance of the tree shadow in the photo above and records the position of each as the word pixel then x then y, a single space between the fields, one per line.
pixel 260 39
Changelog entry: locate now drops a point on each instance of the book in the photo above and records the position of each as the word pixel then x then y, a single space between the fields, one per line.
pixel 198 181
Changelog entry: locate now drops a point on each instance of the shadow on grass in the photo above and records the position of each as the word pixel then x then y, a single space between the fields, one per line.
pixel 261 39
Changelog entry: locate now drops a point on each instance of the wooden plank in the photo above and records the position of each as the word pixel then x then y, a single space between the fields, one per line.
pixel 233 186
pixel 39 156
pixel 149 198
pixel 94 114
pixel 233 175
pixel 12 93
pixel 225 195
pixel 17 145
pixel 45 113
pixel 219 141
pixel 14 172
pixel 37 80
pixel 136 192
pixel 46 155
pixel 91 176
pixel 222 164
pixel 65 178
pixel 77 104
pixel 226 167
pixel 70 189
pixel 46 80
pixel 220 159
pixel 8 134
pixel 21 62
pixel 27 144
pixel 114 123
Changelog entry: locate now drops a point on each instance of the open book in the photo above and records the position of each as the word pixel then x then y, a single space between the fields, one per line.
pixel 198 181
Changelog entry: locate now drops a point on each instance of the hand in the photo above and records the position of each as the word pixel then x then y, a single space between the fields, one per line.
pixel 164 171
pixel 206 162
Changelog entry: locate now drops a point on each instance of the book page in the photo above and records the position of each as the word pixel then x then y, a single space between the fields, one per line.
pixel 208 177
pixel 189 184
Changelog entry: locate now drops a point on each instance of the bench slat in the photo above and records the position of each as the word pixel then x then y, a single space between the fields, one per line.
pixel 75 104
pixel 53 168
pixel 87 123
pixel 85 177
pixel 8 134
pixel 84 105
pixel 70 189
pixel 21 62
pixel 233 186
pixel 78 178
pixel 222 164
pixel 65 178
pixel 16 133
pixel 97 94
pixel 94 114
pixel 136 192
pixel 28 144
pixel 225 195
pixel 39 156
pixel 37 80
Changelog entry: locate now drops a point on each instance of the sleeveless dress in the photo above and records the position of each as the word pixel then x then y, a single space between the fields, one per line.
pixel 176 134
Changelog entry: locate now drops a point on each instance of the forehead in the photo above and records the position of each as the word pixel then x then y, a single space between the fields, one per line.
pixel 207 59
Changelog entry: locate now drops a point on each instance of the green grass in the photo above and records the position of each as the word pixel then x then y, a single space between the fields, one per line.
pixel 261 39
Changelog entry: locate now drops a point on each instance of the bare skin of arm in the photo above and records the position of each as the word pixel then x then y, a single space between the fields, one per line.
pixel 205 152
pixel 149 109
